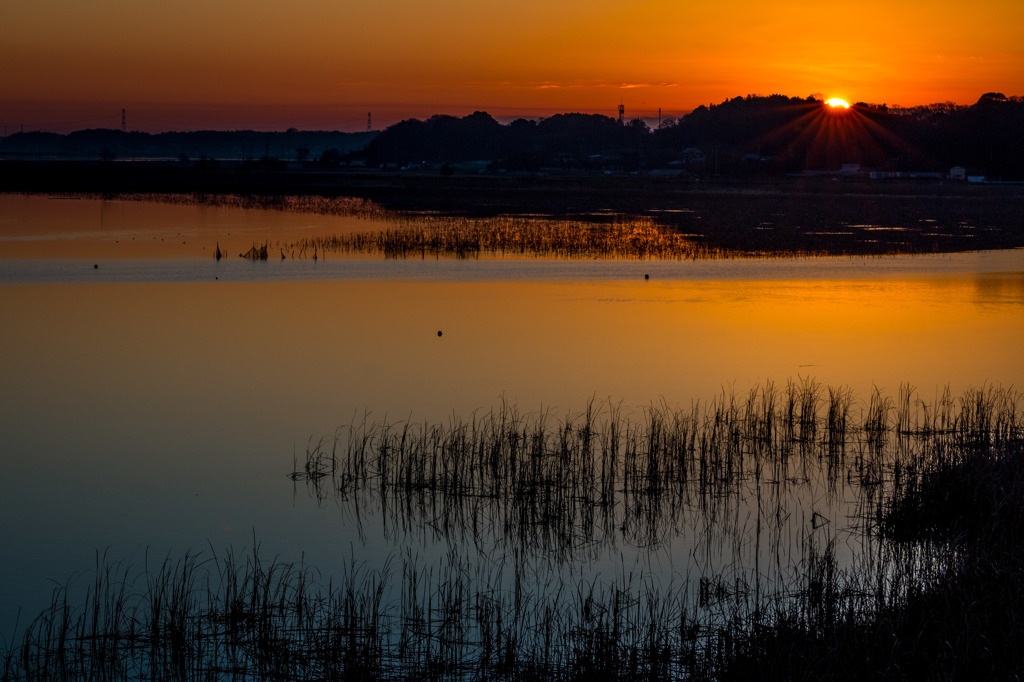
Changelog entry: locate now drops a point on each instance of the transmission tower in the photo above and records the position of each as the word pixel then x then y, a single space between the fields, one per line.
pixel 369 121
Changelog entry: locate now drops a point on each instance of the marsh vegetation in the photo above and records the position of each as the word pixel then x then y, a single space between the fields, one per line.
pixel 817 530
pixel 692 225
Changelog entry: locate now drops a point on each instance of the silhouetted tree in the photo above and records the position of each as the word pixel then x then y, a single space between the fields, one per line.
pixel 330 158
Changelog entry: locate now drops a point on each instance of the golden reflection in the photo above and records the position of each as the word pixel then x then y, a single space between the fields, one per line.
pixel 166 226
pixel 292 353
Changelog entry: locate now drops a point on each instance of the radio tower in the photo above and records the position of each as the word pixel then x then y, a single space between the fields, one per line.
pixel 124 128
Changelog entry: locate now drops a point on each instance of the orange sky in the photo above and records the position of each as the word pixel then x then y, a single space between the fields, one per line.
pixel 181 64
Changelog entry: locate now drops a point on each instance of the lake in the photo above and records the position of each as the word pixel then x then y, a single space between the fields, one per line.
pixel 155 400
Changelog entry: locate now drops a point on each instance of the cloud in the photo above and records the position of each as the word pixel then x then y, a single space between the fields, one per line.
pixel 551 85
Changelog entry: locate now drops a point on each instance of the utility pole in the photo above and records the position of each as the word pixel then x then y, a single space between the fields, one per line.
pixel 124 128
pixel 369 121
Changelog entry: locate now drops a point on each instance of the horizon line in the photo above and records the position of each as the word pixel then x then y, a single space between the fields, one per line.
pixel 346 117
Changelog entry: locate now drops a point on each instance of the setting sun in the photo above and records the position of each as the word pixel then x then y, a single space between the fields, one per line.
pixel 837 103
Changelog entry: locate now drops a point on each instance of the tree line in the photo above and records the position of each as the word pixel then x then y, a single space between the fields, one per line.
pixel 749 135
pixel 247 145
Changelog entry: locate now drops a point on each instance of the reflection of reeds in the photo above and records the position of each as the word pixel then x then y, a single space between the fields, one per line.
pixel 229 617
pixel 720 224
pixel 725 476
pixel 599 479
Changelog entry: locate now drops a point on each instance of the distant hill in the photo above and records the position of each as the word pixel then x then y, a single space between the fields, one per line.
pixel 104 144
pixel 741 137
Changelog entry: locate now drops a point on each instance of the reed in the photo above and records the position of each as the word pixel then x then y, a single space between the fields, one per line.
pixel 598 479
pixel 718 222
pixel 740 476
pixel 257 252
pixel 947 597
pixel 516 236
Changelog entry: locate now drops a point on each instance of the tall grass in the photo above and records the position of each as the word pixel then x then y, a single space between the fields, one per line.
pixel 598 478
pixel 728 222
pixel 753 487
pixel 712 225
pixel 515 236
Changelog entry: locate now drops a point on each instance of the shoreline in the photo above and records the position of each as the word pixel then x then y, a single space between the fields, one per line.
pixel 484 193
pixel 784 215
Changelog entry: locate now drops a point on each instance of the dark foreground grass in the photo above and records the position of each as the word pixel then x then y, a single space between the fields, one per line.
pixel 964 622
pixel 939 598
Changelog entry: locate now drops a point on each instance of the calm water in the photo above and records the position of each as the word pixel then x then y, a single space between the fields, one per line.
pixel 156 401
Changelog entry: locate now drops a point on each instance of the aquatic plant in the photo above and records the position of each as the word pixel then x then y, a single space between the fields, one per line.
pixel 719 223
pixel 257 252
pixel 734 471
pixel 598 478
pixel 516 236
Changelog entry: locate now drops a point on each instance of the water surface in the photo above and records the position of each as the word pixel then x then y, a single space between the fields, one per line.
pixel 157 402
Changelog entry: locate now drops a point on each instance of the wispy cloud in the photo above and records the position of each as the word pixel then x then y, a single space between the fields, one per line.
pixel 551 85
pixel 629 86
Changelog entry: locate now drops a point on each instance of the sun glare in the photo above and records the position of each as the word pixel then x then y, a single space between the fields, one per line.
pixel 837 103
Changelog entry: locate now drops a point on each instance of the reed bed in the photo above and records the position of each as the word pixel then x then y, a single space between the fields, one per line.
pixel 598 479
pixel 516 236
pixel 765 492
pixel 234 617
pixel 714 227
pixel 954 522
pixel 422 234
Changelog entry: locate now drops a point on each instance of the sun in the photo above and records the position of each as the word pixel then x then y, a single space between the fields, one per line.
pixel 837 103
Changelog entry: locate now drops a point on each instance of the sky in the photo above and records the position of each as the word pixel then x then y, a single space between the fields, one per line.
pixel 327 64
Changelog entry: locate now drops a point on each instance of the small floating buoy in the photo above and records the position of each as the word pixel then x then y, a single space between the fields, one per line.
pixel 439 332
pixel 646 276
pixel 96 266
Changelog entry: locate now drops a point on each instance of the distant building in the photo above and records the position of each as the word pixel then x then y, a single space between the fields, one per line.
pixel 694 158
pixel 958 173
